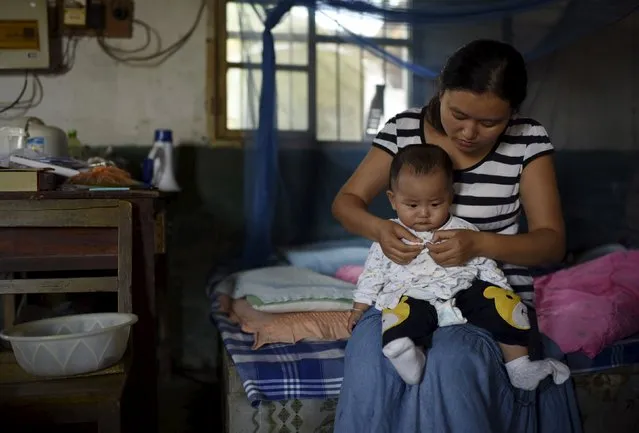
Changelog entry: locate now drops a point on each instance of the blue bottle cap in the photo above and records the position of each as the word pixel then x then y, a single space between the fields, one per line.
pixel 164 135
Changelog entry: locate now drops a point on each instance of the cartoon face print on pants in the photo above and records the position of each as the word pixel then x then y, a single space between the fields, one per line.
pixel 395 316
pixel 509 306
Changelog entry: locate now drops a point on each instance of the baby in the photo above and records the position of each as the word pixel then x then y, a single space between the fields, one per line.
pixel 417 298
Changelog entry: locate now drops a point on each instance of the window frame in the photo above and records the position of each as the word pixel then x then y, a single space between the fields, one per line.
pixel 218 66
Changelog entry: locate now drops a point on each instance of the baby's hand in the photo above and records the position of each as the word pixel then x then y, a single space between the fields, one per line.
pixel 358 310
pixel 353 319
pixel 413 243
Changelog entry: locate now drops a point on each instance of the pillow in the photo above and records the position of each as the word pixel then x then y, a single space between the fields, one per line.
pixel 592 305
pixel 289 288
pixel 290 327
pixel 349 273
pixel 327 257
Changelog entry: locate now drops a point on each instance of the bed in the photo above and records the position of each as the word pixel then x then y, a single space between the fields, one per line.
pixel 294 388
pixel 281 388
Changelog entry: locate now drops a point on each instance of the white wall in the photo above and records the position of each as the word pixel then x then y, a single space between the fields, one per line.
pixel 109 103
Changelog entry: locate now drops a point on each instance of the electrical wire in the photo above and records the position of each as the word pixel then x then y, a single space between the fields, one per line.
pixel 19 98
pixel 20 107
pixel 148 33
pixel 68 56
pixel 23 106
pixel 125 57
pixel 128 56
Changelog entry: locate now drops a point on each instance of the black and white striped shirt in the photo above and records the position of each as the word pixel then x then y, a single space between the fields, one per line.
pixel 486 194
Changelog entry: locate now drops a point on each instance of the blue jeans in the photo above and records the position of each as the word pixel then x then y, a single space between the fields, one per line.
pixel 465 389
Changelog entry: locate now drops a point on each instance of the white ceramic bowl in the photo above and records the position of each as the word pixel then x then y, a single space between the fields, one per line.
pixel 70 345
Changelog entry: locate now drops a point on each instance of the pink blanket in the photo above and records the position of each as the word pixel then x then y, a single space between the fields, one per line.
pixel 349 273
pixel 592 305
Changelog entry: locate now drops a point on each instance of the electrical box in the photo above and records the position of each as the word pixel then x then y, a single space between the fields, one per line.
pixel 24 35
pixel 75 13
pixel 93 18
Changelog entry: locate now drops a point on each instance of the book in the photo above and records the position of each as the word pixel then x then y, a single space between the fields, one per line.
pixel 35 163
pixel 27 180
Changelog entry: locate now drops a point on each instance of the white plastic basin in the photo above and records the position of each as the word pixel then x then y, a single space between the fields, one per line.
pixel 70 345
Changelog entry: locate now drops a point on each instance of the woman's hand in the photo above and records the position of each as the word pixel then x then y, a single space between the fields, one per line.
pixel 454 247
pixel 390 235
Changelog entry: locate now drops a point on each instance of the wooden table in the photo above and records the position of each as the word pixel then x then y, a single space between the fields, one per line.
pixel 43 249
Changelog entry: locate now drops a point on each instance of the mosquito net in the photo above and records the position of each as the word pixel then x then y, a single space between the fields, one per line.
pixel 328 73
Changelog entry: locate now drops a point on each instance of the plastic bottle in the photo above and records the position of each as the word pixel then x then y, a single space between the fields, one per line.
pixel 75 145
pixel 160 158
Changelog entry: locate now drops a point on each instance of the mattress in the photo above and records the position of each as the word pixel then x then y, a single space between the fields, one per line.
pixel 314 370
pixel 279 383
pixel 281 416
pixel 306 370
pixel 294 388
pixel 620 354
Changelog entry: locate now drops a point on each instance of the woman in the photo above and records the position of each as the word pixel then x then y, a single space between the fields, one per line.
pixel 502 165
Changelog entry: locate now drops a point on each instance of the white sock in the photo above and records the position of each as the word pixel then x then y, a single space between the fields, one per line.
pixel 407 359
pixel 560 371
pixel 526 374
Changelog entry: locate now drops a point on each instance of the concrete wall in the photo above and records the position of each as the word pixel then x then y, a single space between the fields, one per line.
pixel 585 94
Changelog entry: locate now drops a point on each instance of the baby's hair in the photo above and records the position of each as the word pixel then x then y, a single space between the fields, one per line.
pixel 421 159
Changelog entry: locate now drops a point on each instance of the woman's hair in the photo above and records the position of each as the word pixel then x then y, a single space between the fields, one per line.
pixel 421 159
pixel 479 67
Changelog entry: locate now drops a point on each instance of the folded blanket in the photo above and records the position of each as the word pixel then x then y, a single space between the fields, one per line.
pixel 288 289
pixel 592 305
pixel 285 327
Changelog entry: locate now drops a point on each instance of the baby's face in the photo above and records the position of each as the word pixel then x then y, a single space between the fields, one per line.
pixel 422 201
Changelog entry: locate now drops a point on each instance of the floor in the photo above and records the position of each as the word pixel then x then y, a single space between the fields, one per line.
pixel 191 398
pixel 188 404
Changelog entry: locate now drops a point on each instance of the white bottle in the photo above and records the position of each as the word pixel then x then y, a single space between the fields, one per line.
pixel 162 156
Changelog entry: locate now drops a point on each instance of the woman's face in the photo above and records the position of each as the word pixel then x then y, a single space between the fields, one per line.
pixel 473 121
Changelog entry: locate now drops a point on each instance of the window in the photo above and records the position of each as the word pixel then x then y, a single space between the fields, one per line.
pixel 327 88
